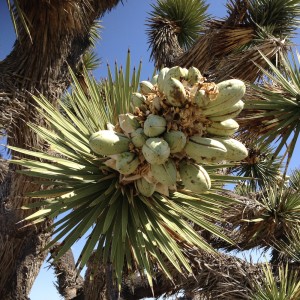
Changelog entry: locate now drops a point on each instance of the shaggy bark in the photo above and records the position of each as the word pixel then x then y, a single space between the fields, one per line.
pixel 163 36
pixel 222 60
pixel 37 64
pixel 99 283
pixel 214 277
pixel 69 284
pixel 226 48
pixel 219 276
pixel 250 225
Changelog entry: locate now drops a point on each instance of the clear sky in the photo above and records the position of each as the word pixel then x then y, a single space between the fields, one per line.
pixel 123 29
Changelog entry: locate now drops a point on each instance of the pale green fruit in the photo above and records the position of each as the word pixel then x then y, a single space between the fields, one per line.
pixel 155 125
pixel 224 128
pixel 144 187
pixel 203 149
pixel 156 151
pixel 230 92
pixel 154 79
pixel 236 151
pixel 126 163
pixel 185 72
pixel 194 75
pixel 201 98
pixel 107 142
pixel 138 138
pixel 228 113
pixel 128 122
pixel 137 99
pixel 146 87
pixel 161 78
pixel 194 177
pixel 174 92
pixel 176 72
pixel 165 173
pixel 176 140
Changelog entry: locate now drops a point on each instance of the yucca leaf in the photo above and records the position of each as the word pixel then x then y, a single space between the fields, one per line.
pixel 107 246
pixel 50 193
pixel 110 216
pixel 90 60
pixel 124 226
pixel 124 219
pixel 55 159
pixel 117 239
pixel 294 180
pixel 211 196
pixel 282 287
pixel 77 233
pixel 89 246
pixel 61 124
pixel 205 225
pixel 277 99
pixel 74 119
pixel 38 214
pixel 66 228
pixel 228 178
pixel 70 217
pixel 17 14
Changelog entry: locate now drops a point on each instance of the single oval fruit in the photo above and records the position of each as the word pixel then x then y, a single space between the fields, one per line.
pixel 201 98
pixel 203 149
pixel 194 76
pixel 176 140
pixel 236 151
pixel 154 79
pixel 137 99
pixel 138 138
pixel 224 128
pixel 228 113
pixel 230 92
pixel 154 125
pixel 177 73
pixel 107 142
pixel 156 151
pixel 126 163
pixel 174 92
pixel 194 177
pixel 144 187
pixel 165 173
pixel 161 78
pixel 146 87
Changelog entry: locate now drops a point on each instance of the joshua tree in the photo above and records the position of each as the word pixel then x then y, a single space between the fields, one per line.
pixel 161 243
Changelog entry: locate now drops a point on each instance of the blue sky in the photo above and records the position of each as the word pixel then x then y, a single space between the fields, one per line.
pixel 123 29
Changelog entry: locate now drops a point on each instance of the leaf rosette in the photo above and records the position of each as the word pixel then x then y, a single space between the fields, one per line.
pixel 97 195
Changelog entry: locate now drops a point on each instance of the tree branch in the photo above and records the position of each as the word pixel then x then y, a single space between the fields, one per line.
pixel 215 276
pixel 69 285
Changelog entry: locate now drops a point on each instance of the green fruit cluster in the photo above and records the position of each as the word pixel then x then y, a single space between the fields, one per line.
pixel 179 123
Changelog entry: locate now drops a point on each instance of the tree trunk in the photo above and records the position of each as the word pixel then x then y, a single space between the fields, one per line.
pixel 59 35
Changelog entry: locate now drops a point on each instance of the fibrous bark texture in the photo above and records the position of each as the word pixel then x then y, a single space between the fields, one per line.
pixel 215 276
pixel 69 283
pixel 38 63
